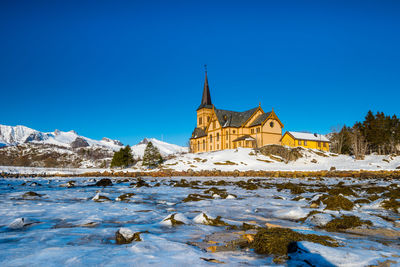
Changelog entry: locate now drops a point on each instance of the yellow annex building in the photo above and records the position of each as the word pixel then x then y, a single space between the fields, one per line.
pixel 307 140
pixel 219 129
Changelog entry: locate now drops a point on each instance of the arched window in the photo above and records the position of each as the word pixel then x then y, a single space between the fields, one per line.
pixel 210 138
pixel 217 137
pixel 198 145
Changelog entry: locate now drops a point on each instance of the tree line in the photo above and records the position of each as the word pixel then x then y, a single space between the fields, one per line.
pixel 378 133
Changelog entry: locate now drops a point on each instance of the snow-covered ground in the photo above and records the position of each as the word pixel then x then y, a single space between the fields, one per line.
pixel 244 159
pixel 66 225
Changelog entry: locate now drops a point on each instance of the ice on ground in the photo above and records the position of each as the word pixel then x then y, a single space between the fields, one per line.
pixel 319 255
pixel 319 219
pixel 291 213
pixel 70 229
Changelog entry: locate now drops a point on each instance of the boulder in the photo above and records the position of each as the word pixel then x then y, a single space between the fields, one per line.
pixel 31 195
pixel 125 197
pixel 20 223
pixel 68 184
pixel 99 198
pixel 126 236
pixel 174 220
pixel 104 182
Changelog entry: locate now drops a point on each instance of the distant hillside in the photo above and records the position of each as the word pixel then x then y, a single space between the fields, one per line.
pixel 17 135
pixel 23 146
pixel 165 148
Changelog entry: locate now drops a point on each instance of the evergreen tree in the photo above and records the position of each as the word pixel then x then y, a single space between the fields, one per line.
pixel 152 157
pixel 378 132
pixel 122 158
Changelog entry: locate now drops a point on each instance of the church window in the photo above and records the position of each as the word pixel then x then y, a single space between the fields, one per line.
pixel 200 121
pixel 210 138
pixel 217 137
pixel 271 124
pixel 227 133
pixel 213 124
pixel 198 145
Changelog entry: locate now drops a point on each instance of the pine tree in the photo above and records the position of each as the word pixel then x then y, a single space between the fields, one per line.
pixel 152 157
pixel 122 158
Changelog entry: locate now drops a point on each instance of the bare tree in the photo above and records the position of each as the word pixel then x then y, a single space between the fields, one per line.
pixel 358 144
pixel 337 138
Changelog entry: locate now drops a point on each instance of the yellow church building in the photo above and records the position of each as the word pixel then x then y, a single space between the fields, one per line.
pixel 219 129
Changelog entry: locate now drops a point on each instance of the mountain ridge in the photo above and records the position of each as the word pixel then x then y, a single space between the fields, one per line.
pixel 24 146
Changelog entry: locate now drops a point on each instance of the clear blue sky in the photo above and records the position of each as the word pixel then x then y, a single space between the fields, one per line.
pixel 128 70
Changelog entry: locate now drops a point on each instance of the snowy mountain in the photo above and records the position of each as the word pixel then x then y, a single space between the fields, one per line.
pixel 16 135
pixel 165 148
pixel 23 146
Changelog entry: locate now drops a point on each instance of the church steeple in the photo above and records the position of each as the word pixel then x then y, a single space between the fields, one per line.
pixel 206 100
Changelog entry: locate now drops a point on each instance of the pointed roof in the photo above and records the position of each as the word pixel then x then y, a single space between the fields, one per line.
pixel 206 100
pixel 227 118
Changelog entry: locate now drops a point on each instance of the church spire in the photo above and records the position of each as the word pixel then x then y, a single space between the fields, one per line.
pixel 206 100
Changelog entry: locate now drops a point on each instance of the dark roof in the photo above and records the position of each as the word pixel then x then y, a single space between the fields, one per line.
pixel 243 137
pixel 260 119
pixel 198 132
pixel 206 99
pixel 229 118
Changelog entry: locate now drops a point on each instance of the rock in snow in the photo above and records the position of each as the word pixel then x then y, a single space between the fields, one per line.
pixel 20 223
pixel 202 218
pixel 126 236
pixel 174 220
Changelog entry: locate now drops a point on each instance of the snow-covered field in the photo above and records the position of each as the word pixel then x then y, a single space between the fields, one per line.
pixel 242 159
pixel 74 223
